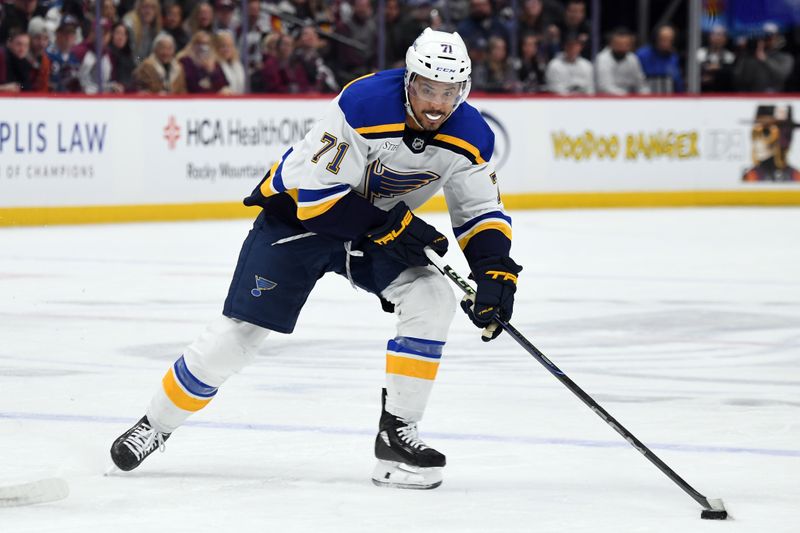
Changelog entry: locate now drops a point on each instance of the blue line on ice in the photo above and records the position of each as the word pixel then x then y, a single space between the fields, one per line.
pixel 283 428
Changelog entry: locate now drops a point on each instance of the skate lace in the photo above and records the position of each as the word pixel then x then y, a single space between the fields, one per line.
pixel 144 440
pixel 410 435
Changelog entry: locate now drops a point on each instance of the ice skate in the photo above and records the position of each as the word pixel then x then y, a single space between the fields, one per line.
pixel 133 446
pixel 404 461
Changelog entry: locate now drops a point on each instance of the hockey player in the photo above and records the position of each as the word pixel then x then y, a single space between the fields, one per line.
pixel 341 201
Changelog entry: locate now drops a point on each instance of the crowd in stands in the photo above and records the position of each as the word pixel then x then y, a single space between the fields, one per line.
pixel 302 46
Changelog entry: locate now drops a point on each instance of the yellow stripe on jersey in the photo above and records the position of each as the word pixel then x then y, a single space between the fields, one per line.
pixel 178 396
pixel 381 128
pixel 413 368
pixel 306 212
pixel 500 225
pixel 266 187
pixel 357 79
pixel 461 144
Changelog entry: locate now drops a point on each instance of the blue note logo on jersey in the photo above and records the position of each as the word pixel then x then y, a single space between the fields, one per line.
pixel 262 284
pixel 384 182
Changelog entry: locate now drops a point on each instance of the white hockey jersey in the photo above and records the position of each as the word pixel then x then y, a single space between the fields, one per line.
pixel 362 144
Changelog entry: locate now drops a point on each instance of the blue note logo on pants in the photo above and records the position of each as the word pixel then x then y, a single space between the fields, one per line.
pixel 262 284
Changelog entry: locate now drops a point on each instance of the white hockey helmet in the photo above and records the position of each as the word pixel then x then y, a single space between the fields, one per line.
pixel 439 56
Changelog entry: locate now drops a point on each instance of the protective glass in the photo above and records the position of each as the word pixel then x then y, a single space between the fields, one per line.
pixel 435 92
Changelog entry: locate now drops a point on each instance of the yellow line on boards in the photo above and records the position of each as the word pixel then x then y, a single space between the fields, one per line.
pixel 98 214
pixel 39 216
pixel 575 200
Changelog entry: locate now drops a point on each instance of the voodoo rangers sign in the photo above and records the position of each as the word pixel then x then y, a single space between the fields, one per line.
pixel 80 160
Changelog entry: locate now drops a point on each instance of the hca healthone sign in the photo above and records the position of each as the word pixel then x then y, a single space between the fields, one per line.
pixel 122 152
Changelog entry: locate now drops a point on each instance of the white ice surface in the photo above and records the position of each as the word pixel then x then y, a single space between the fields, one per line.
pixel 684 324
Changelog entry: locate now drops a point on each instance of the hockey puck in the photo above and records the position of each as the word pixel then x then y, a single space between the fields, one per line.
pixel 714 514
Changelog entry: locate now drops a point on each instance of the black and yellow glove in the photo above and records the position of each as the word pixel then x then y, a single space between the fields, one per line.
pixel 496 278
pixel 404 237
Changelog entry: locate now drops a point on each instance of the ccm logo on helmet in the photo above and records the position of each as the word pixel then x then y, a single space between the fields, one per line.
pixel 445 69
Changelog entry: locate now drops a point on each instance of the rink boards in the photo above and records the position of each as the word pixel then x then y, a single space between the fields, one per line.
pixel 79 160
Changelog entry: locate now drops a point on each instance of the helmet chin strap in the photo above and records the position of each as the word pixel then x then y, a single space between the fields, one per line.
pixel 412 115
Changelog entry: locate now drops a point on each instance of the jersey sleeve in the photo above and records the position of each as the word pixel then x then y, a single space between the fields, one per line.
pixel 325 165
pixel 480 224
pixel 320 173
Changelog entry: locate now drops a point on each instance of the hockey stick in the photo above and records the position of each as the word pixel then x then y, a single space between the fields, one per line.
pixel 42 491
pixel 713 509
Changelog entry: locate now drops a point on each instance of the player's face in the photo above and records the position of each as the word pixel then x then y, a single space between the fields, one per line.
pixel 432 101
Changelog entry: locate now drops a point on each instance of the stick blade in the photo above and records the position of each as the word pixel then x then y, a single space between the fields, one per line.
pixel 716 512
pixel 41 491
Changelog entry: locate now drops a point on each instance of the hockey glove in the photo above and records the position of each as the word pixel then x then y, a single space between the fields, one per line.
pixel 404 237
pixel 497 281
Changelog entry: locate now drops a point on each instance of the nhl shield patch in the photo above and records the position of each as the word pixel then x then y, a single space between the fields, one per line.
pixel 262 284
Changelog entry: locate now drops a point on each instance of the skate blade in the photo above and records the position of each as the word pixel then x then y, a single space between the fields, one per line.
pixel 391 474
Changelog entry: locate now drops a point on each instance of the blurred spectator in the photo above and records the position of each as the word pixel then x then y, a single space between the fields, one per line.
pixel 201 19
pixel 763 67
pixel 40 39
pixel 351 62
pixel 307 10
pixel 715 62
pixel 281 72
pixel 269 49
pixel 224 15
pixel 457 10
pixel 496 74
pixel 618 69
pixel 531 68
pixel 533 18
pixel 124 7
pixel 438 23
pixel 550 43
pixel 308 54
pixel 68 8
pixel 228 57
pixel 316 11
pixel 661 64
pixel 17 16
pixel 64 64
pixel 575 24
pixel 91 67
pixel 144 23
pixel 173 24
pixel 109 11
pixel 296 8
pixel 396 36
pixel 203 73
pixel 417 17
pixel 259 25
pixel 161 73
pixel 481 24
pixel 569 73
pixel 18 70
pixel 122 61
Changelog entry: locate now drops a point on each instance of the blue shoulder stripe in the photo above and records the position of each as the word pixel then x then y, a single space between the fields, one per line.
pixel 277 178
pixel 469 225
pixel 312 195
pixel 467 132
pixel 373 101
